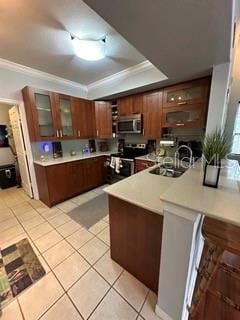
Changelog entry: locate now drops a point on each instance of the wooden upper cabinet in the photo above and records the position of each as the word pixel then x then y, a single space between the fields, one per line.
pixel 188 93
pixel 130 105
pixel 185 105
pixel 103 115
pixel 138 103
pixel 125 106
pixel 191 116
pixel 64 110
pixel 152 114
pixel 41 114
pixel 83 118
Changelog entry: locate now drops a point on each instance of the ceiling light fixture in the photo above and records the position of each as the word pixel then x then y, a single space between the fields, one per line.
pixel 91 50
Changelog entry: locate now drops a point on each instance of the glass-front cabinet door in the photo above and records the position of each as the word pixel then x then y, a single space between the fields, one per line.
pixel 65 116
pixel 186 94
pixel 190 116
pixel 45 114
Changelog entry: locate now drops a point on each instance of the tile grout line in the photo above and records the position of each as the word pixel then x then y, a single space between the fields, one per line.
pixel 92 266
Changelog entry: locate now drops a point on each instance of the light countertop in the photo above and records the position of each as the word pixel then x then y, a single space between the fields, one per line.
pixel 222 203
pixel 142 189
pixel 147 157
pixel 64 159
pixel 150 191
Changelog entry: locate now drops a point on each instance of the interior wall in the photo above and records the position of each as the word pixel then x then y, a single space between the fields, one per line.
pixel 6 155
pixel 234 97
pixel 12 81
pixel 218 97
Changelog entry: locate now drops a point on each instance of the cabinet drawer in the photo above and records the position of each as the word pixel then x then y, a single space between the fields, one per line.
pixel 142 165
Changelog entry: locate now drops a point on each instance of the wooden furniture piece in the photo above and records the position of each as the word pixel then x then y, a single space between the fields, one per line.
pixel 84 118
pixel 136 237
pixel 187 93
pixel 57 183
pixel 103 115
pixel 130 105
pixel 41 114
pixel 64 113
pixel 142 165
pixel 54 116
pixel 185 104
pixel 220 237
pixel 152 114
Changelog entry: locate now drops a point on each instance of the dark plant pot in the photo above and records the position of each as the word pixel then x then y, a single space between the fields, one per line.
pixel 211 174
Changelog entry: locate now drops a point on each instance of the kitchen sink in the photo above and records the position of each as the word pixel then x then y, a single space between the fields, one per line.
pixel 168 170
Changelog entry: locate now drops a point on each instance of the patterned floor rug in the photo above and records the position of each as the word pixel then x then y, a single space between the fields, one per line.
pixel 19 268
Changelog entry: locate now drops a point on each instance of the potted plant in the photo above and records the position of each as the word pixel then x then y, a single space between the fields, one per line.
pixel 215 146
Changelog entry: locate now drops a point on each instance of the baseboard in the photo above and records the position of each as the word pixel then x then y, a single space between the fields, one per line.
pixel 162 314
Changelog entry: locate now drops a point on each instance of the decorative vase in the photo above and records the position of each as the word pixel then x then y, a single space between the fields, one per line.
pixel 211 174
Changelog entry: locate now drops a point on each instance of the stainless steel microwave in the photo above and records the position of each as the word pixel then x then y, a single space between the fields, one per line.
pixel 129 124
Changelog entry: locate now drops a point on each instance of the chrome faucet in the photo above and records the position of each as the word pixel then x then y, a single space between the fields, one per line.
pixel 189 149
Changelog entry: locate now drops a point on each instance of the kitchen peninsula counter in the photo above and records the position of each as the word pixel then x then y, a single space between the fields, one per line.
pixel 155 229
pixel 150 191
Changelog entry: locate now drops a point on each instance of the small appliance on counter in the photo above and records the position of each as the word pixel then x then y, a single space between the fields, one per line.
pixel 57 149
pixel 164 147
pixel 92 145
pixel 103 146
pixel 124 161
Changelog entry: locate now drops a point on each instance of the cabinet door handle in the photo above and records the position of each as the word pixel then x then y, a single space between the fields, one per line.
pixel 61 134
pixel 97 133
pixel 143 132
pixel 79 133
pixel 57 134
pixel 182 103
pixel 179 124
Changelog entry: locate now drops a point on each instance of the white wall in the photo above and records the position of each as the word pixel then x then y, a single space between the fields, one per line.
pixel 234 97
pixel 6 156
pixel 218 97
pixel 12 81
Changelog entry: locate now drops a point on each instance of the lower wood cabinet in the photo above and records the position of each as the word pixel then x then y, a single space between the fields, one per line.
pixel 142 165
pixel 136 240
pixel 60 182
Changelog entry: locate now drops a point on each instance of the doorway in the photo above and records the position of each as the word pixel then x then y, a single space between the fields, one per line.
pixel 13 156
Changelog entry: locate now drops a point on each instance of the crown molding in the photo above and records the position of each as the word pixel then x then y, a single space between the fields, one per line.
pixel 12 66
pixel 9 101
pixel 140 67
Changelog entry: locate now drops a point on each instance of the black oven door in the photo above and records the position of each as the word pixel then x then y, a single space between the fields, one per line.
pixel 126 170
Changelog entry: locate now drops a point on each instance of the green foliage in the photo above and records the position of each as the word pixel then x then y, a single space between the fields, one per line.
pixel 216 145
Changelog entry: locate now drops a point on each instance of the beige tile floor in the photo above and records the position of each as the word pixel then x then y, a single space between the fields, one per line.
pixel 81 281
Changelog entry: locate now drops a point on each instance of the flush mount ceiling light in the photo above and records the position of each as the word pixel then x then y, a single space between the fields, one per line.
pixel 91 50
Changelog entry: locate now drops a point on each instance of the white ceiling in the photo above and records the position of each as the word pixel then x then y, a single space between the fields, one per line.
pixel 35 33
pixel 182 38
